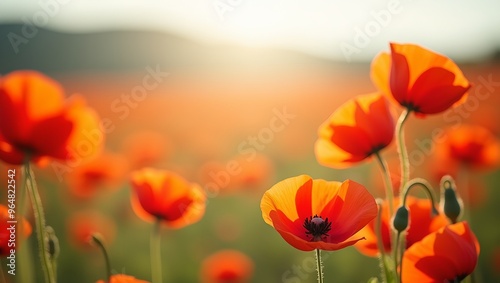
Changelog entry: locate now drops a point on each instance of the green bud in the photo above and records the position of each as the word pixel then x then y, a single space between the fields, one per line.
pixel 450 202
pixel 52 242
pixel 452 205
pixel 401 219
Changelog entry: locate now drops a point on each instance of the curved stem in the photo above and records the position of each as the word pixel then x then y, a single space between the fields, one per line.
pixel 403 153
pixel 97 239
pixel 39 224
pixel 389 192
pixel 155 252
pixel 319 266
pixel 427 188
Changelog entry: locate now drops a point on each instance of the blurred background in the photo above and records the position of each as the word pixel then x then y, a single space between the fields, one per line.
pixel 218 72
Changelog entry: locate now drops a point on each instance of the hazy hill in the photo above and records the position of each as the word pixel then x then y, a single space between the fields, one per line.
pixel 51 51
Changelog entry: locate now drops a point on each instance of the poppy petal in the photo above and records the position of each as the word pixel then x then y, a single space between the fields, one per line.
pixel 358 209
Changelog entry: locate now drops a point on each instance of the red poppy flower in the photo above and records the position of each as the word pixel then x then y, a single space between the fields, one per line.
pixel 106 171
pixel 357 129
pixel 421 80
pixel 443 256
pixel 470 145
pixel 6 238
pixel 122 278
pixel 82 225
pixel 316 214
pixel 35 121
pixel 227 266
pixel 166 196
pixel 421 224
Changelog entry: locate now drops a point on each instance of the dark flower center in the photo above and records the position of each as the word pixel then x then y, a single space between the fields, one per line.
pixel 317 228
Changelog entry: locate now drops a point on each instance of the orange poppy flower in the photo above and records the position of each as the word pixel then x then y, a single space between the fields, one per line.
pixel 421 80
pixel 36 122
pixel 470 145
pixel 83 224
pixel 227 266
pixel 146 148
pixel 6 238
pixel 106 171
pixel 122 278
pixel 421 224
pixel 442 256
pixel 317 214
pixel 357 129
pixel 166 196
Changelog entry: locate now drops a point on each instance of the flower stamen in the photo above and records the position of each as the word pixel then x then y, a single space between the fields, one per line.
pixel 317 227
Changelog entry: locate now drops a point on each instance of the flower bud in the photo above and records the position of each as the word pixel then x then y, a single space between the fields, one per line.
pixel 450 202
pixel 401 219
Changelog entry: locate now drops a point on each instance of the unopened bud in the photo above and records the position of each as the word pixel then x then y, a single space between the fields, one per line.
pixel 450 202
pixel 52 242
pixel 401 219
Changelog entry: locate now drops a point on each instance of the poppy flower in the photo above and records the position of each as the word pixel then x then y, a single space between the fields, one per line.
pixel 419 79
pixel 146 148
pixel 227 266
pixel 447 255
pixel 421 224
pixel 122 278
pixel 5 232
pixel 83 224
pixel 356 130
pixel 105 171
pixel 470 145
pixel 166 196
pixel 317 214
pixel 32 109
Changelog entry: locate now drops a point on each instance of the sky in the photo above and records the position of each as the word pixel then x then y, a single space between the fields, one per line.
pixel 355 30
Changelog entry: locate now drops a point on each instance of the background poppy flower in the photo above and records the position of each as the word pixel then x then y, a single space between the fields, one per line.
pixel 419 79
pixel 421 224
pixel 166 196
pixel 82 225
pixel 31 109
pixel 106 171
pixel 357 129
pixel 5 233
pixel 316 214
pixel 470 145
pixel 122 278
pixel 226 266
pixel 442 256
pixel 146 148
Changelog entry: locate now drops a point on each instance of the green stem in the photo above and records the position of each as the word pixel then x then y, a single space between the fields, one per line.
pixel 25 262
pixel 39 224
pixel 396 255
pixel 2 274
pixel 155 252
pixel 97 239
pixel 403 153
pixel 319 266
pixel 427 188
pixel 380 244
pixel 389 192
